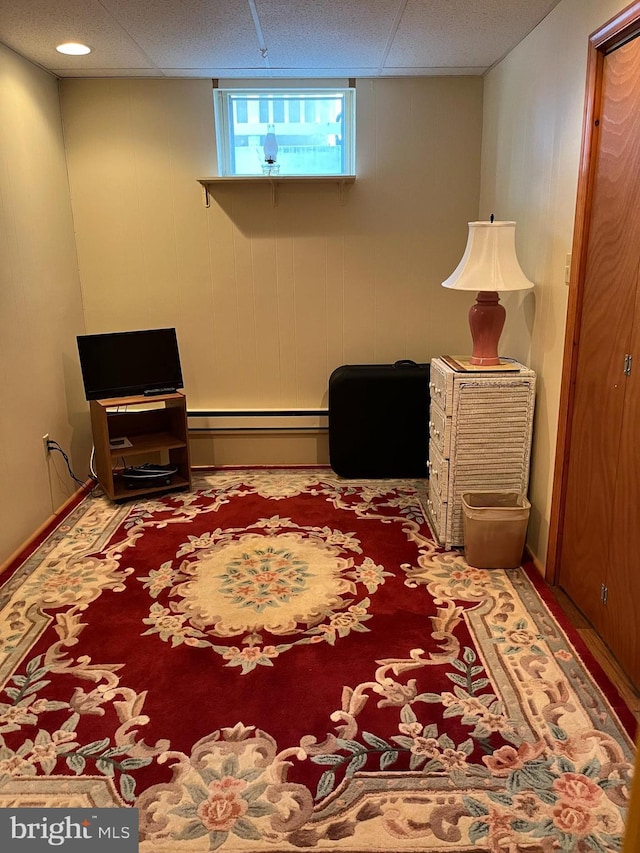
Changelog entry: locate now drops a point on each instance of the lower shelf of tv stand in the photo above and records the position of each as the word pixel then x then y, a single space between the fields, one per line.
pixel 121 490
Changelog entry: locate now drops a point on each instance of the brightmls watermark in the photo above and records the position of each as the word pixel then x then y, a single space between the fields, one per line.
pixel 35 830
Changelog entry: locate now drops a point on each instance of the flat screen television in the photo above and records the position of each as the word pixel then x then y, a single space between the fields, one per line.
pixel 125 364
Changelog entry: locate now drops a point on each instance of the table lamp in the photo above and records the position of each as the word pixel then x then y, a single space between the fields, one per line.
pixel 489 264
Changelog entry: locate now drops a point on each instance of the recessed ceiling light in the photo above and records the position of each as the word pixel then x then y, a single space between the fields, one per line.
pixel 73 48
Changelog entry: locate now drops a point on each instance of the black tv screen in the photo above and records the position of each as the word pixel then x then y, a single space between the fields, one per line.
pixel 124 364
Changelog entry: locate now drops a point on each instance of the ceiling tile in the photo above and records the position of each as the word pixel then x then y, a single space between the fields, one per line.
pixel 191 34
pixel 309 34
pixel 33 29
pixel 455 33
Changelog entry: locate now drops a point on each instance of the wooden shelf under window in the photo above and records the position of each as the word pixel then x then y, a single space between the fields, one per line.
pixel 274 181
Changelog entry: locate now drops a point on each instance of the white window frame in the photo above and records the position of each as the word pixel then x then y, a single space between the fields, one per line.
pixel 222 111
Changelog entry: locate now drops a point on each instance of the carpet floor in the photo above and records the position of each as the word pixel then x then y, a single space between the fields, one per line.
pixel 283 660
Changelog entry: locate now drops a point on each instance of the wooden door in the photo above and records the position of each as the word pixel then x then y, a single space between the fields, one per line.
pixel 595 531
pixel 621 622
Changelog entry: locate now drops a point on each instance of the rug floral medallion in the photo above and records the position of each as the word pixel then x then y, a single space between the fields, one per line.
pixel 285 660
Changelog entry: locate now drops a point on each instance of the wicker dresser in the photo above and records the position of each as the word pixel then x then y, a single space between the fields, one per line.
pixel 479 439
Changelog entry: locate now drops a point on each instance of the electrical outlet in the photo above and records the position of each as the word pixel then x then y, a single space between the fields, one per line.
pixel 45 444
pixel 567 269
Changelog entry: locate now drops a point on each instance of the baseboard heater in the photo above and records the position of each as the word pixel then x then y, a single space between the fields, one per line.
pixel 258 420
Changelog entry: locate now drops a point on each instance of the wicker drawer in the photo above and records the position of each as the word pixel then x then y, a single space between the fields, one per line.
pixel 438 473
pixel 437 515
pixel 440 386
pixel 440 430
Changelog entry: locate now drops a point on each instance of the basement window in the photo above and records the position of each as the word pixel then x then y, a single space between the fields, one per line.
pixel 285 132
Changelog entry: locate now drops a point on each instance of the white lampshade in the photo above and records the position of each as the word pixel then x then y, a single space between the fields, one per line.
pixel 489 261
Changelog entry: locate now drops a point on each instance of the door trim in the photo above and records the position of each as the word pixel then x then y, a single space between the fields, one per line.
pixel 613 34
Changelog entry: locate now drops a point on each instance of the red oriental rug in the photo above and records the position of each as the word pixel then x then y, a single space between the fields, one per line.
pixel 284 660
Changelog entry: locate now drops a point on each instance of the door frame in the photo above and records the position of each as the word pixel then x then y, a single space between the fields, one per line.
pixel 620 29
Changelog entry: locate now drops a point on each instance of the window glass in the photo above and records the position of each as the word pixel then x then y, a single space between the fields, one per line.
pixel 294 110
pixel 286 132
pixel 278 110
pixel 241 114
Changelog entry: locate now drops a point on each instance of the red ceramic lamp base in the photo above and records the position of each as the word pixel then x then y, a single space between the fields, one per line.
pixel 486 320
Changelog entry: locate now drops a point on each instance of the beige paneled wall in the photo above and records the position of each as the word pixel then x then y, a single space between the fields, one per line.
pixel 40 306
pixel 269 299
pixel 533 108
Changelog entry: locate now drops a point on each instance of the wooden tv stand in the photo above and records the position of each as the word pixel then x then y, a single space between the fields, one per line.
pixel 154 429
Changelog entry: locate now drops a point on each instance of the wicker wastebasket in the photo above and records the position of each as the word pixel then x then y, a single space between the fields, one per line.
pixel 495 528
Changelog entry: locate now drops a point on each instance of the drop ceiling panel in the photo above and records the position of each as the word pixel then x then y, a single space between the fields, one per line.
pixel 34 28
pixel 457 33
pixel 191 34
pixel 309 34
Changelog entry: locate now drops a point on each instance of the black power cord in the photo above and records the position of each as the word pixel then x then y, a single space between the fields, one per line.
pixel 53 445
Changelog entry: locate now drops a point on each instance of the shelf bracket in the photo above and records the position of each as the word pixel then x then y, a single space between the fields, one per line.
pixel 206 196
